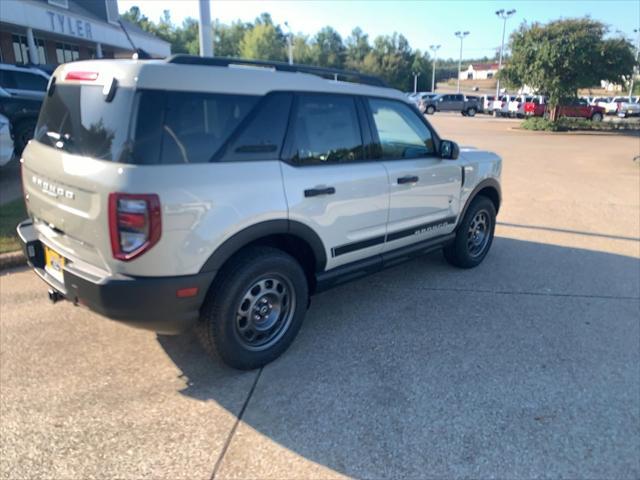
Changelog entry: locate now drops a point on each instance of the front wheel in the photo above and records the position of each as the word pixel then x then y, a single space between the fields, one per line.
pixel 255 308
pixel 471 112
pixel 474 235
pixel 431 110
pixel 596 117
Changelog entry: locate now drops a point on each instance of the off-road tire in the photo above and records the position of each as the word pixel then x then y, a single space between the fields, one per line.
pixel 458 252
pixel 217 328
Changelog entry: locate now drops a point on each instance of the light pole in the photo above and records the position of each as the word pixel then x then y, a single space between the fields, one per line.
pixel 434 49
pixel 290 43
pixel 204 27
pixel 504 15
pixel 635 67
pixel 461 36
pixel 415 81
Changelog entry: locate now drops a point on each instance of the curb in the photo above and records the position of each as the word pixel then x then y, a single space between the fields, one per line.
pixel 11 260
pixel 629 132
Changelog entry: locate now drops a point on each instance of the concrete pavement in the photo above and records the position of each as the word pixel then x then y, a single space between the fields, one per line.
pixel 527 366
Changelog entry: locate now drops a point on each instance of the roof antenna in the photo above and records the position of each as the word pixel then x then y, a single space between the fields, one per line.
pixel 138 53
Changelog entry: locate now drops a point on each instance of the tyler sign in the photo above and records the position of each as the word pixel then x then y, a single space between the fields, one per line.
pixel 61 23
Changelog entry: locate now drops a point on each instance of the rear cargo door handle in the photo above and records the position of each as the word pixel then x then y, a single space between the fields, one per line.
pixel 314 192
pixel 408 179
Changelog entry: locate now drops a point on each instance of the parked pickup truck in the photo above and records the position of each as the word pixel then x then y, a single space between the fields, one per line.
pixel 453 102
pixel 578 108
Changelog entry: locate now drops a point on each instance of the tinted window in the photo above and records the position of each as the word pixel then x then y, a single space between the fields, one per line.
pixel 401 132
pixel 185 127
pixel 262 135
pixel 30 81
pixel 78 120
pixel 6 79
pixel 325 129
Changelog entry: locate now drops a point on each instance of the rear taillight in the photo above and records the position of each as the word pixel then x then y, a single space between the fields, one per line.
pixel 135 224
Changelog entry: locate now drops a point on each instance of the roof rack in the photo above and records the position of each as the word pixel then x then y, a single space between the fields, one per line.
pixel 328 73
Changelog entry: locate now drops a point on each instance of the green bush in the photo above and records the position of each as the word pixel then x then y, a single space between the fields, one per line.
pixel 575 124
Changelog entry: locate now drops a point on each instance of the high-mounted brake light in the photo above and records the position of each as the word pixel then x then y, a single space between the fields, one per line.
pixel 135 224
pixel 84 76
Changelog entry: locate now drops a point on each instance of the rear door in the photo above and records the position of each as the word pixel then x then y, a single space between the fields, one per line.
pixel 23 84
pixel 424 189
pixel 332 183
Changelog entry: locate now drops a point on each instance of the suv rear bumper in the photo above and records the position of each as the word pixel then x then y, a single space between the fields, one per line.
pixel 145 302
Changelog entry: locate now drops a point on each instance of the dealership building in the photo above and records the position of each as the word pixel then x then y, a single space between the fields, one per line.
pixel 50 32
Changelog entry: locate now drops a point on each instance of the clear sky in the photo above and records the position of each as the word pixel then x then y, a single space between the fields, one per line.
pixel 423 23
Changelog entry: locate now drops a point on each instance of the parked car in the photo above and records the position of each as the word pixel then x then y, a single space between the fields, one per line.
pixel 22 113
pixel 21 92
pixel 628 108
pixel 6 142
pixel 450 102
pixel 601 101
pixel 579 108
pixel 23 82
pixel 516 106
pixel 500 107
pixel 190 193
pixel 486 103
pixel 612 107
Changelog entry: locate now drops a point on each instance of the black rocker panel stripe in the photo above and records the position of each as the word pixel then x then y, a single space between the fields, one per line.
pixel 352 247
pixel 370 242
pixel 424 228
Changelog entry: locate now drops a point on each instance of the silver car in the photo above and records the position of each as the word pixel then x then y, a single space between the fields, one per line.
pixel 188 192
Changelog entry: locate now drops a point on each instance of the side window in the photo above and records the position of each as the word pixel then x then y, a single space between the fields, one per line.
pixel 30 81
pixel 459 98
pixel 401 132
pixel 7 79
pixel 326 130
pixel 262 135
pixel 185 127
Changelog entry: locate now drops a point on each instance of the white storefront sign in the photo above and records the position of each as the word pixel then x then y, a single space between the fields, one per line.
pixel 65 24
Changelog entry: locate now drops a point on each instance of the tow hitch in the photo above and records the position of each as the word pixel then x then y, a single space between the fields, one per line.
pixel 55 296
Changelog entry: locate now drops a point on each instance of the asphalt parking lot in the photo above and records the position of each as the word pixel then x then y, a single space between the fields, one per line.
pixel 528 366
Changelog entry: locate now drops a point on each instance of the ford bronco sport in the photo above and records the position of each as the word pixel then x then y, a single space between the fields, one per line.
pixel 221 193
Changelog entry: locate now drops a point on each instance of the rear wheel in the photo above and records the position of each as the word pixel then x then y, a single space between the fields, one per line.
pixel 431 110
pixel 471 112
pixel 255 308
pixel 22 134
pixel 474 235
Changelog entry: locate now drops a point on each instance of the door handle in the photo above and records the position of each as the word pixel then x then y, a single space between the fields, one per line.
pixel 408 179
pixel 314 192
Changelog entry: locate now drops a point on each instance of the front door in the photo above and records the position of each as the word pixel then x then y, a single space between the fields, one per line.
pixel 330 184
pixel 424 189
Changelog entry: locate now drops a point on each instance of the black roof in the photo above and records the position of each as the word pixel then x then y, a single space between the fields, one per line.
pixel 329 73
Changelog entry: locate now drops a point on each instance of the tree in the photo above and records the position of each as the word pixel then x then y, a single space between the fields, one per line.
pixel 563 56
pixel 328 49
pixel 228 38
pixel 357 47
pixel 422 64
pixel 263 43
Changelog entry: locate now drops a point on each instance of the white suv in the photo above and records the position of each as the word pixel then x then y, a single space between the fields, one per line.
pixel 221 194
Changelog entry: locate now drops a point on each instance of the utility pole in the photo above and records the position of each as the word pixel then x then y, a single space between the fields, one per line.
pixel 461 36
pixel 290 43
pixel 204 24
pixel 635 67
pixel 415 82
pixel 434 49
pixel 504 15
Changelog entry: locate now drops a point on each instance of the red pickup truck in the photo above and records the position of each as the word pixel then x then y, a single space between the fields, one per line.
pixel 578 108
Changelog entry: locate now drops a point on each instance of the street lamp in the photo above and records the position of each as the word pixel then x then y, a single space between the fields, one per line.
pixel 290 43
pixel 635 67
pixel 434 49
pixel 461 36
pixel 415 81
pixel 504 15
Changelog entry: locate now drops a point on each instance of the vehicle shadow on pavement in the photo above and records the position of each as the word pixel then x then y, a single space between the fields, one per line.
pixel 525 366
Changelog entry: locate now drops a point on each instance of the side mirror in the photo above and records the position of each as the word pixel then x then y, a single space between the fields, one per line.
pixel 449 150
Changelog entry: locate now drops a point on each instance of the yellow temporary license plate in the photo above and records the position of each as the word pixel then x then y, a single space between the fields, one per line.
pixel 53 263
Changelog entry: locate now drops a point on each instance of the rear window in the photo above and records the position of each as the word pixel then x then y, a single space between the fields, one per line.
pixel 78 120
